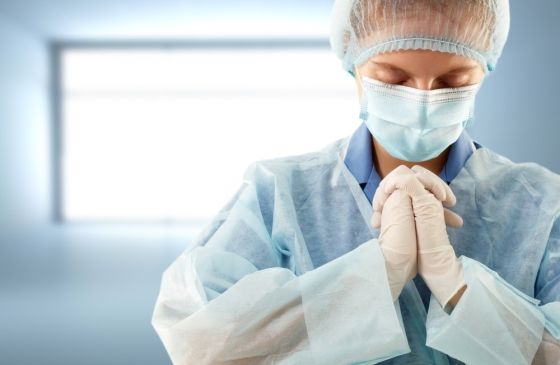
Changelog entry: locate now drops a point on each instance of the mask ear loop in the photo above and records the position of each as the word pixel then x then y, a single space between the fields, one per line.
pixel 363 109
pixel 363 99
pixel 470 122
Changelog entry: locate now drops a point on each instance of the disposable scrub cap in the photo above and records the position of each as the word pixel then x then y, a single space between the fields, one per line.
pixel 477 29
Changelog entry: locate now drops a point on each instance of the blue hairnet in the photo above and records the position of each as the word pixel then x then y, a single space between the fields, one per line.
pixel 477 29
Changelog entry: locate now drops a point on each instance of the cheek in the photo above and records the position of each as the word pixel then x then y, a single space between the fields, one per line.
pixel 479 75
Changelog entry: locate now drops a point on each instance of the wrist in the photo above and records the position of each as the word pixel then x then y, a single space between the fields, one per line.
pixel 452 303
pixel 443 274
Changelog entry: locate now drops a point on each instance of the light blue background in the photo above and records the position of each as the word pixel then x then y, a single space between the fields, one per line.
pixel 83 294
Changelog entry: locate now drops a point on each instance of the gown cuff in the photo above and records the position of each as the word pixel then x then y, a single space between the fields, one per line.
pixel 369 301
pixel 493 322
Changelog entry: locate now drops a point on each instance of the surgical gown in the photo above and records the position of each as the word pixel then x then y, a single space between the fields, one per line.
pixel 290 272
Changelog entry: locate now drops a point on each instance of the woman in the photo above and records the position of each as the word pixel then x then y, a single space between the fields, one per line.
pixel 343 256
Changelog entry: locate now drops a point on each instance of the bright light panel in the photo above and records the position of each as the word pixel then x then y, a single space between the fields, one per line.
pixel 166 134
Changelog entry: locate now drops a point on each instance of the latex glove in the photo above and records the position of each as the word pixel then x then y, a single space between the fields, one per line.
pixel 397 240
pixel 436 186
pixel 437 263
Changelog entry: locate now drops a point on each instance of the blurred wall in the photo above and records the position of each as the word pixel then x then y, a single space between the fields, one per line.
pixel 68 294
pixel 517 108
pixel 24 123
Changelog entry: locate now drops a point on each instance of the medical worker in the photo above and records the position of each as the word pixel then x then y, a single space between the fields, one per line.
pixel 404 243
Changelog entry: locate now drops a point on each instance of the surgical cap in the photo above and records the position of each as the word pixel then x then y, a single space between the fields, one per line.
pixel 477 29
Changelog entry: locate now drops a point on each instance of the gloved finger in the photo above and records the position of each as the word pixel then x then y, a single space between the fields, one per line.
pixel 379 199
pixel 434 184
pixel 376 220
pixel 408 183
pixel 380 196
pixel 452 219
pixel 397 210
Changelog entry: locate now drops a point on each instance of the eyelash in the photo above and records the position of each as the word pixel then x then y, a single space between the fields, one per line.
pixel 446 84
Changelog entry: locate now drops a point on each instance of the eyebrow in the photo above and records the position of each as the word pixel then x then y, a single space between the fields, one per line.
pixel 458 69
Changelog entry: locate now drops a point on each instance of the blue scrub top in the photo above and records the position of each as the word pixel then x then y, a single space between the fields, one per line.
pixel 359 159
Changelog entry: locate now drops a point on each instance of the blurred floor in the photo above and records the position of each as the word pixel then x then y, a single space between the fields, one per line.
pixel 87 299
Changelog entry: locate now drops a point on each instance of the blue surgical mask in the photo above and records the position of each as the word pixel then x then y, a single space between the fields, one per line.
pixel 416 125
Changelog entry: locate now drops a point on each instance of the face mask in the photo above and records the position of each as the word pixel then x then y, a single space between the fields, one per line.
pixel 416 125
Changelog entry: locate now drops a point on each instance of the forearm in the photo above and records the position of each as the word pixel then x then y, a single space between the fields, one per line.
pixel 272 314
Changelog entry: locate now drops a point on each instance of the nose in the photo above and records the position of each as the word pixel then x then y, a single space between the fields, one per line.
pixel 426 84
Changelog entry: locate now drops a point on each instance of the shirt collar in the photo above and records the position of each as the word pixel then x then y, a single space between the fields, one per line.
pixel 359 157
pixel 459 153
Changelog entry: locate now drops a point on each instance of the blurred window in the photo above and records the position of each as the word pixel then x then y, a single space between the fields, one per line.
pixel 165 133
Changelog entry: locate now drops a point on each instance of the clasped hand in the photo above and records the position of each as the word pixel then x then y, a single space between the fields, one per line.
pixel 409 208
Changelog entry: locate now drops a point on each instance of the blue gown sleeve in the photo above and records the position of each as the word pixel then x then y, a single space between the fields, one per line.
pixel 516 329
pixel 236 299
pixel 547 289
